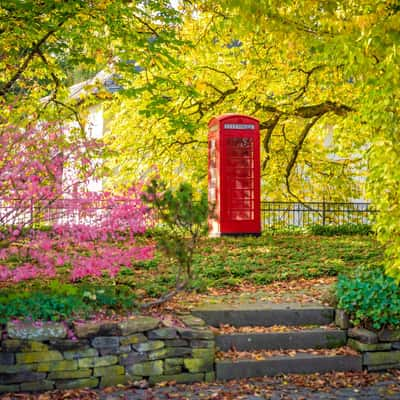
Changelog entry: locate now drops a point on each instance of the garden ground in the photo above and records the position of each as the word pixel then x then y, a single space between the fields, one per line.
pixel 342 386
pixel 272 268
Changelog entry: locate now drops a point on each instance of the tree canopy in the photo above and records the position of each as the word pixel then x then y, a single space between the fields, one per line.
pixel 47 44
pixel 321 76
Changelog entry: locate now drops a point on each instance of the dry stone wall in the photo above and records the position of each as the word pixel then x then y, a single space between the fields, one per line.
pixel 39 356
pixel 380 350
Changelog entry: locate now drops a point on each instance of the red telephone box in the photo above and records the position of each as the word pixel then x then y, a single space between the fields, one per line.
pixel 234 175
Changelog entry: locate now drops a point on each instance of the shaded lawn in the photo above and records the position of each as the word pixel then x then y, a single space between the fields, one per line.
pixel 230 261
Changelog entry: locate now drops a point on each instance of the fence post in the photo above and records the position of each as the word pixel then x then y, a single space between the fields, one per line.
pixel 32 212
pixel 323 212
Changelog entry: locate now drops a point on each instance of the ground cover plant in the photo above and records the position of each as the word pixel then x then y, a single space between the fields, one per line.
pixel 371 298
pixel 221 266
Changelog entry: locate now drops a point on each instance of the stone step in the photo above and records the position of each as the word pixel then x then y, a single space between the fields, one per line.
pixel 265 314
pixel 305 339
pixel 299 364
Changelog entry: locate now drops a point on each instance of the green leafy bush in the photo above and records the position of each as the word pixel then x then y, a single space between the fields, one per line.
pixel 371 298
pixel 41 306
pixel 345 229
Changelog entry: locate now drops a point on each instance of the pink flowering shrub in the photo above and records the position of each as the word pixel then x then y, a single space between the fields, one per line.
pixel 91 233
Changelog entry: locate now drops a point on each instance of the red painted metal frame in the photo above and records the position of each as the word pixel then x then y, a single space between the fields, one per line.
pixel 234 175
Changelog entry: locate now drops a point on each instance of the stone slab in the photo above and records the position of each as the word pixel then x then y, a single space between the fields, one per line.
pixel 109 371
pixel 342 319
pixel 383 367
pixel 114 380
pixel 363 335
pixel 163 333
pixel 147 368
pixel 307 339
pixel 20 377
pixel 78 383
pixel 299 364
pixel 34 357
pixel 101 342
pixel 17 345
pixel 37 386
pixel 63 365
pixel 133 358
pixel 7 358
pixel 178 378
pixel 79 373
pixel 266 314
pixel 389 335
pixel 68 344
pixel 138 324
pixel 36 331
pixel 13 369
pixel 381 358
pixel 93 362
pixel 363 347
pixel 9 388
pixel 80 353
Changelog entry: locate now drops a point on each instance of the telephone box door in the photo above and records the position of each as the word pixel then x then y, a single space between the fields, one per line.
pixel 239 175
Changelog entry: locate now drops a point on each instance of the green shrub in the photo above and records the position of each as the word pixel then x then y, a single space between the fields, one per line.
pixel 41 306
pixel 345 229
pixel 182 214
pixel 371 298
pixel 64 301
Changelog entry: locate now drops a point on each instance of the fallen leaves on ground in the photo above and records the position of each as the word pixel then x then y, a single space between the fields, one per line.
pixel 77 394
pixel 263 354
pixel 236 389
pixel 294 291
pixel 228 329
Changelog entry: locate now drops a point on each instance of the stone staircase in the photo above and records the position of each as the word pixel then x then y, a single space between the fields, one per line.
pixel 313 334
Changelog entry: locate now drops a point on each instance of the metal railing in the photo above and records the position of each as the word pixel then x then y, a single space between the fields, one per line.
pixel 49 212
pixel 280 214
pixel 274 214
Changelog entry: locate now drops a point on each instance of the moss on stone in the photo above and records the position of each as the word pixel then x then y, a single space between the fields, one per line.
pixel 33 357
pixel 148 368
pixel 198 365
pixel 133 339
pixel 83 353
pixel 79 373
pixel 64 365
pixel 78 383
pixel 97 361
pixel 113 370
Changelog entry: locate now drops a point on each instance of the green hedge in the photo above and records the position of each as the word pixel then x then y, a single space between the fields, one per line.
pixel 345 229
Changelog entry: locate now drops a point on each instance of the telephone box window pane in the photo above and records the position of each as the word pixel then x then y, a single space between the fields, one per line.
pixel 242 215
pixel 212 183
pixel 242 194
pixel 240 178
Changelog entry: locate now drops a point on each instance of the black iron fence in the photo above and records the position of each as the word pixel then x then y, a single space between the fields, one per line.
pixel 280 214
pixel 274 214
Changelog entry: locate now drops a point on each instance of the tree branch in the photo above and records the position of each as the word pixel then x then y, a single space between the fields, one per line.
pixel 35 50
pixel 270 126
pixel 308 74
pixel 166 297
pixel 296 152
pixel 220 72
pixel 152 30
pixel 318 110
